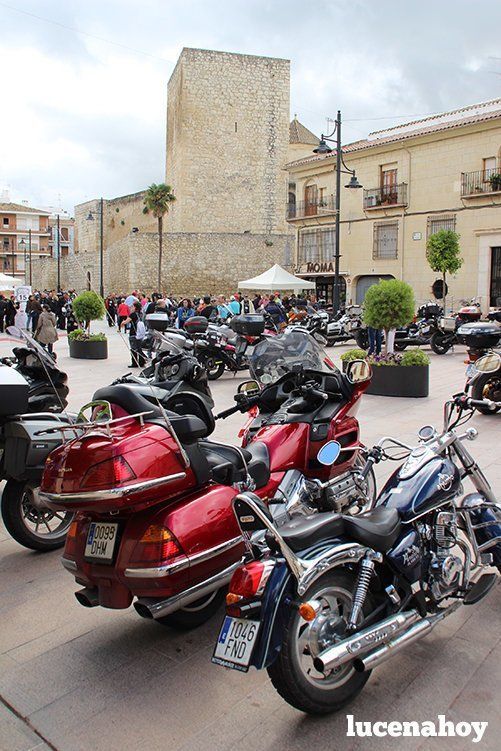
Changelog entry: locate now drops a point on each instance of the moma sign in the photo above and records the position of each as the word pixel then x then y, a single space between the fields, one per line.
pixel 317 268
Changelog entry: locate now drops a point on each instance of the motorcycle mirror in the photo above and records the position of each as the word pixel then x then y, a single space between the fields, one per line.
pixel 358 371
pixel 329 453
pixel 427 432
pixel 14 331
pixel 249 388
pixel 488 363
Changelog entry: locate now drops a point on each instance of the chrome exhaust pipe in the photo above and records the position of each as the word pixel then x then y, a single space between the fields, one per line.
pixel 87 597
pixel 372 659
pixel 364 641
pixel 149 607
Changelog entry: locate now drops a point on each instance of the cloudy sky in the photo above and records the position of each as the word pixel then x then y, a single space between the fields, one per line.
pixel 84 81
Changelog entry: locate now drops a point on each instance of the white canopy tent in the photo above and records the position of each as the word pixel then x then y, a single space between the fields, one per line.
pixel 276 278
pixel 8 282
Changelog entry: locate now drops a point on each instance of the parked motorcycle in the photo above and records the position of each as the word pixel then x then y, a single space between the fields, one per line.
pixel 420 331
pixel 32 392
pixel 321 601
pixel 445 336
pixel 484 383
pixel 153 495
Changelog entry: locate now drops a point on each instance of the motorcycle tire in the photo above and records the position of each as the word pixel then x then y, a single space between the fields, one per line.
pixel 196 613
pixel 19 512
pixel 214 369
pixel 302 687
pixel 487 386
pixel 362 338
pixel 399 347
pixel 438 343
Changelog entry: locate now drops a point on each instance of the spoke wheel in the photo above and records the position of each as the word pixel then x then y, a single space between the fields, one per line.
pixel 293 673
pixel 30 522
pixel 487 386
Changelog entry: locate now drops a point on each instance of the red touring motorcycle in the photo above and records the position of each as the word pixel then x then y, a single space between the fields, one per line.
pixel 153 497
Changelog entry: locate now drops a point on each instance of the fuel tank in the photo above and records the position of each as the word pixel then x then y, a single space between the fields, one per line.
pixel 424 482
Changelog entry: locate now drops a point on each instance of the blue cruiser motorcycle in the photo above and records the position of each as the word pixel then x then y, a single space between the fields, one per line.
pixel 322 600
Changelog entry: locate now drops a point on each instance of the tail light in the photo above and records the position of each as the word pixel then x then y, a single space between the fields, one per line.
pixel 108 474
pixel 249 581
pixel 70 548
pixel 157 546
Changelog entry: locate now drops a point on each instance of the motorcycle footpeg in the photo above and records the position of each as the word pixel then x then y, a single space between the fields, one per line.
pixel 480 589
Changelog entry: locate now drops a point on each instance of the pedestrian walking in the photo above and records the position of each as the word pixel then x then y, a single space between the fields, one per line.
pixel 123 312
pixel 46 332
pixel 136 335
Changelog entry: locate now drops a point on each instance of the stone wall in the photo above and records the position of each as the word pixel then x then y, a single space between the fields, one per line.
pixel 227 141
pixel 193 263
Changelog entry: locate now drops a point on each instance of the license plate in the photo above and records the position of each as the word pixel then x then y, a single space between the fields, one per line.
pixel 235 643
pixel 101 540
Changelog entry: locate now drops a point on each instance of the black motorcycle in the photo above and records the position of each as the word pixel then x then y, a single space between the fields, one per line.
pixel 483 374
pixel 322 600
pixel 419 332
pixel 446 335
pixel 33 395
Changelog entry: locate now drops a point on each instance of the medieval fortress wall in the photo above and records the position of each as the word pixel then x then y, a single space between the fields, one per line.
pixel 227 142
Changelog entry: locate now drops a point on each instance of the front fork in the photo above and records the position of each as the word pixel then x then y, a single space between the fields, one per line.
pixel 471 467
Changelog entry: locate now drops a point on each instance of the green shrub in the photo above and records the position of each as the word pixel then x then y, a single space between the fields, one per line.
pixel 80 335
pixel 88 306
pixel 389 305
pixel 354 354
pixel 414 357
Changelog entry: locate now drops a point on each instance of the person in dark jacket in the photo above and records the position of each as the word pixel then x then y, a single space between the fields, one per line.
pixel 10 312
pixel 33 310
pixel 208 310
pixel 3 311
pixel 275 311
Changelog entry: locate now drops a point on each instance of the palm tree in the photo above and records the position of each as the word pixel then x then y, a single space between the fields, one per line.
pixel 157 201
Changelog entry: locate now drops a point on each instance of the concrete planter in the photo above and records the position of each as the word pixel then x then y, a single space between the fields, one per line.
pixel 399 380
pixel 88 350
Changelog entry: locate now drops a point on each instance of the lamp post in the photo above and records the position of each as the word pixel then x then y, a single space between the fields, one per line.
pixel 324 148
pixel 90 218
pixel 58 255
pixel 22 244
pixel 29 252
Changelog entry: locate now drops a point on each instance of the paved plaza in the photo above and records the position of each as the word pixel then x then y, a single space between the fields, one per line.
pixel 76 679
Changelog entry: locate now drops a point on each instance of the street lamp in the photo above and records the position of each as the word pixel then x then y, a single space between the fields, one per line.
pixel 324 148
pixel 23 245
pixel 90 218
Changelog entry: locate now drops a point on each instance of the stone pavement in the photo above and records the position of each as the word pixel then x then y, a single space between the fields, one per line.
pixel 74 679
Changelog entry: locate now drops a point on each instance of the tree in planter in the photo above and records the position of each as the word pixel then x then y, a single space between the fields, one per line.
pixel 157 201
pixel 389 305
pixel 87 307
pixel 443 255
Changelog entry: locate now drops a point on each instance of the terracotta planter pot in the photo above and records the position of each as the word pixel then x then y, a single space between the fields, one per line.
pixel 399 380
pixel 88 350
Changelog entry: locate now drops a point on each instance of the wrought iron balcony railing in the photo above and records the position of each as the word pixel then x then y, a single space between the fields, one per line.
pixel 389 195
pixel 482 181
pixel 317 207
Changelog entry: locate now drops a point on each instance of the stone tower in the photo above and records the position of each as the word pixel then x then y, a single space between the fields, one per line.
pixel 227 140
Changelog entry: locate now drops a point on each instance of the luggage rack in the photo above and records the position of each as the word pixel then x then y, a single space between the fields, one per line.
pixel 89 425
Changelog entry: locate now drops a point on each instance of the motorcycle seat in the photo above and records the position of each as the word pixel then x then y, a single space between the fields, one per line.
pixel 378 528
pixel 303 531
pixel 227 466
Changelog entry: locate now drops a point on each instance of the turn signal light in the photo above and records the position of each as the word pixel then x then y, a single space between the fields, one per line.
pixel 232 599
pixel 157 546
pixel 309 610
pixel 70 547
pixel 108 474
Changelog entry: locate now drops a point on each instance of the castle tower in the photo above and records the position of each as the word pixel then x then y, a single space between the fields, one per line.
pixel 227 141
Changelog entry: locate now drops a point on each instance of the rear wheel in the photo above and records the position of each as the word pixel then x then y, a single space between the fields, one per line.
pixel 487 386
pixel 196 613
pixel 441 343
pixel 399 346
pixel 293 673
pixel 30 522
pixel 362 338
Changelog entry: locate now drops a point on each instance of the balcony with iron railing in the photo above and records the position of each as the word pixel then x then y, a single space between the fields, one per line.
pixel 481 182
pixel 386 196
pixel 317 207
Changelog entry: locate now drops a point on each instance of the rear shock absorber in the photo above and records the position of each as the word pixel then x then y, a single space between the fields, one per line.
pixel 365 572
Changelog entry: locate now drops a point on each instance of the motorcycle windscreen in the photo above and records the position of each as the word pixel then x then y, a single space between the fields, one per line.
pixel 277 355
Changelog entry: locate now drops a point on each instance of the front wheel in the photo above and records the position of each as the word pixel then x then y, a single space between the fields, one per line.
pixel 487 386
pixel 293 673
pixel 213 365
pixel 441 343
pixel 196 613
pixel 362 338
pixel 30 522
